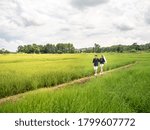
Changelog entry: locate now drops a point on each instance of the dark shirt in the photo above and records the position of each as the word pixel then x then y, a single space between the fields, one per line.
pixel 95 61
pixel 102 60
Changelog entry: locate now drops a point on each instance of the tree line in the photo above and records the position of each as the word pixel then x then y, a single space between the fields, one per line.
pixel 117 48
pixel 4 51
pixel 69 48
pixel 48 48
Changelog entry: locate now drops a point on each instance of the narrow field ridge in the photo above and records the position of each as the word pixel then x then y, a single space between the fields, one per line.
pixel 80 81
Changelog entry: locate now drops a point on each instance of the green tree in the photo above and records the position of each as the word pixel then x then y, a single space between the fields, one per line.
pixel 135 46
pixel 97 48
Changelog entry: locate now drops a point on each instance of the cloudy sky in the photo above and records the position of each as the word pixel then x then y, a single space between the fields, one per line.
pixel 82 22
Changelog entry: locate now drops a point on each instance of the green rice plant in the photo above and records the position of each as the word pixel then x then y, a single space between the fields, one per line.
pixel 23 72
pixel 126 90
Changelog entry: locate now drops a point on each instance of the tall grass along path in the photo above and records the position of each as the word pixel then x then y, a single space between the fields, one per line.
pixel 81 80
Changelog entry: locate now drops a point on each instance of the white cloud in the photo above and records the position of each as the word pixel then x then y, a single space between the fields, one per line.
pixel 147 16
pixel 11 45
pixel 123 24
pixel 81 4
pixel 83 22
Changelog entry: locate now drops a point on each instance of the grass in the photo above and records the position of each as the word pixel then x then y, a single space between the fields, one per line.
pixel 125 90
pixel 21 72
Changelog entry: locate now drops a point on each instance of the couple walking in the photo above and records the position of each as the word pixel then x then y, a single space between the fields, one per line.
pixel 102 61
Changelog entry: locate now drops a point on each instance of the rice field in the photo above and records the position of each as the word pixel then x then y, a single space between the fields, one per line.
pixel 126 90
pixel 21 72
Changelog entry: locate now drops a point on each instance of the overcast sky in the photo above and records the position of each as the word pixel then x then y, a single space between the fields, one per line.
pixel 82 22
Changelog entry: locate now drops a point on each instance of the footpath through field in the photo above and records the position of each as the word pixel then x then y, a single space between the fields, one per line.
pixel 81 80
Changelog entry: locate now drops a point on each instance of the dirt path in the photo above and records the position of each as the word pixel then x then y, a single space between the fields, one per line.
pixel 81 80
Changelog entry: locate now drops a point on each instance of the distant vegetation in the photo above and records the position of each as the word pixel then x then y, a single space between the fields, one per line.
pixel 69 48
pixel 48 48
pixel 117 48
pixel 3 51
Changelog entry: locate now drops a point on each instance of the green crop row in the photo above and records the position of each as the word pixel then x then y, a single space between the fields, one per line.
pixel 126 90
pixel 21 72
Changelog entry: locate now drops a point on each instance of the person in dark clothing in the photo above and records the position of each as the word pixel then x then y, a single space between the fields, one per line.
pixel 95 64
pixel 102 62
